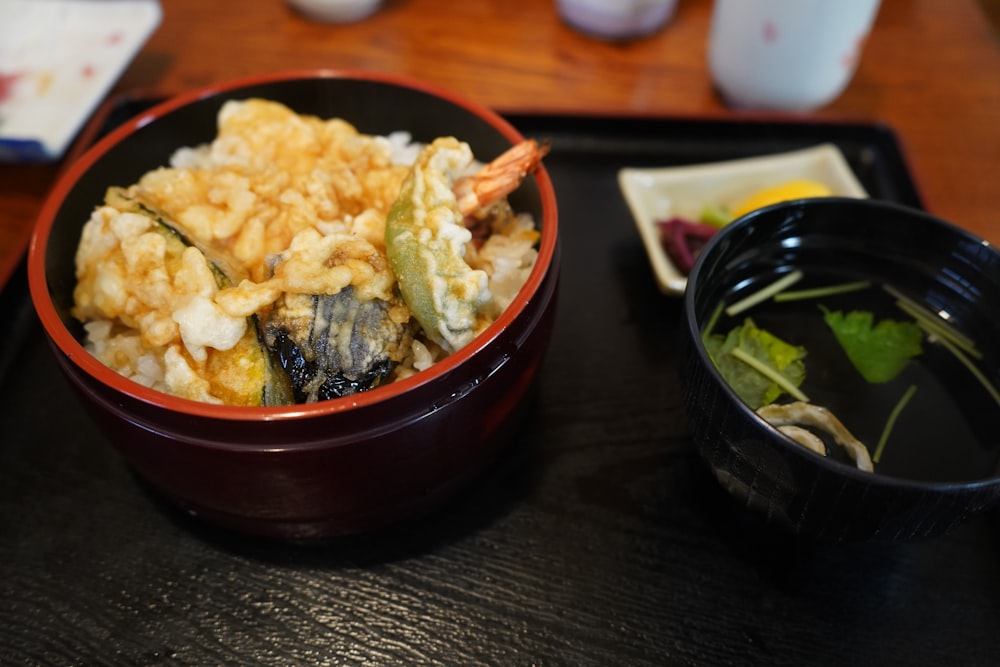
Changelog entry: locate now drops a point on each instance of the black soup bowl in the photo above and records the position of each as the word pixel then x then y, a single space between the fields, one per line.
pixel 935 425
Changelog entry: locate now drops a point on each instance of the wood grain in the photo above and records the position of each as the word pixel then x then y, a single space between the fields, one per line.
pixel 929 70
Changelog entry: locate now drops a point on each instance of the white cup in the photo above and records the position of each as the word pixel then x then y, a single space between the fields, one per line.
pixel 792 55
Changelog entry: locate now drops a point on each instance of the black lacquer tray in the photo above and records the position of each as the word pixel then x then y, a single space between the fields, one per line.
pixel 599 538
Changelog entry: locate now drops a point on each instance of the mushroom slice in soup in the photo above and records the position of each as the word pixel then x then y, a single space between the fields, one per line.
pixel 799 413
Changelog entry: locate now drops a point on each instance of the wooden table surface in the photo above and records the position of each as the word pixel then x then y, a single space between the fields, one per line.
pixel 930 70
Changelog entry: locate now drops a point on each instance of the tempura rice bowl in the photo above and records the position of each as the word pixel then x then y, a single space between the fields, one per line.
pixel 331 467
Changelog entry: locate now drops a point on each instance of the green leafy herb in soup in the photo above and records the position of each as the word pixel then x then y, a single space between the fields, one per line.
pixel 883 384
pixel 758 365
pixel 880 351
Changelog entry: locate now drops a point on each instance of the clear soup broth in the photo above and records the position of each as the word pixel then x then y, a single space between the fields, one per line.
pixel 949 431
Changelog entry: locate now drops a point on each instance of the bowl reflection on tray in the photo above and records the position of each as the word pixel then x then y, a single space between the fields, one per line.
pixel 659 194
pixel 939 462
pixel 330 467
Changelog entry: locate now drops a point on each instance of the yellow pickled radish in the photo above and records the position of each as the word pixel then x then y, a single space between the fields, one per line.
pixel 797 189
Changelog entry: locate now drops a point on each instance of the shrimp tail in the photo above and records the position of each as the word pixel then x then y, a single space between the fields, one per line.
pixel 426 235
pixel 500 177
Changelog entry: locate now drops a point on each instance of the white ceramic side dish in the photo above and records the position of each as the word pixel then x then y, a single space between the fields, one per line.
pixel 662 193
pixel 58 59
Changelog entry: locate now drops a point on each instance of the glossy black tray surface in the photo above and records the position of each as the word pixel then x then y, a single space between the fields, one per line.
pixel 599 537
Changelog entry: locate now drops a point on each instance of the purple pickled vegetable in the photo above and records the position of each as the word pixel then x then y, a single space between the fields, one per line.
pixel 683 240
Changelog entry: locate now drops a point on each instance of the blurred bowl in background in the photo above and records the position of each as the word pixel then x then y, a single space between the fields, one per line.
pixel 616 19
pixel 336 11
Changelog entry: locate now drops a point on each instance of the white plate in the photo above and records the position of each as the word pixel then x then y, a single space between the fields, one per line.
pixel 58 58
pixel 660 194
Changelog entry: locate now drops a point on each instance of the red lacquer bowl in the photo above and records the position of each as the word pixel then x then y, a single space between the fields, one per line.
pixel 323 469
